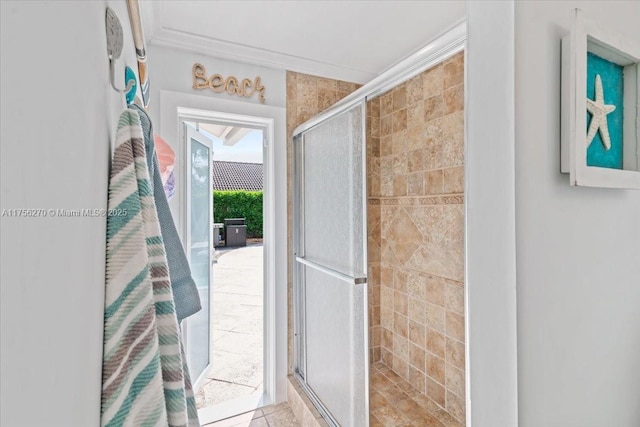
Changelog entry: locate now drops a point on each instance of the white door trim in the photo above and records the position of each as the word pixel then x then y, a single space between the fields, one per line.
pixel 266 125
pixel 490 231
pixel 178 107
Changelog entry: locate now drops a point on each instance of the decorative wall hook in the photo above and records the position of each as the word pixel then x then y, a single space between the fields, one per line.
pixel 115 42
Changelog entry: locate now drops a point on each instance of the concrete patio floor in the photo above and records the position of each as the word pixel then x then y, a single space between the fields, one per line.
pixel 237 323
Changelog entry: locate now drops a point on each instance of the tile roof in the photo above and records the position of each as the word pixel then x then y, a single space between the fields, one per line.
pixel 237 176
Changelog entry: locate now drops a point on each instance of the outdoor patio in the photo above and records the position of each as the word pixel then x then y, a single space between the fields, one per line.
pixel 236 319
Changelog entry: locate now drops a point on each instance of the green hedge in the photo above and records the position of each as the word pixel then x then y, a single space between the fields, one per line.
pixel 239 204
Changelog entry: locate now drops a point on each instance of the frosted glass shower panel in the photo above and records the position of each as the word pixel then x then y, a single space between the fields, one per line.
pixel 333 188
pixel 336 346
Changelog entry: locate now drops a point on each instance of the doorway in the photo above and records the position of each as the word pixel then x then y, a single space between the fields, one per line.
pixel 229 344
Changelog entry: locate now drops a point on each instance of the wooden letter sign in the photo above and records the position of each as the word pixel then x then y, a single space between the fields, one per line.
pixel 218 83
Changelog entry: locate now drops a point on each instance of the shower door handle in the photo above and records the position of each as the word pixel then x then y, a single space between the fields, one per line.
pixel 338 275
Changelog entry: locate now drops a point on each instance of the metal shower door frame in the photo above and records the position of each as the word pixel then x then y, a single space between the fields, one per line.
pixel 299 306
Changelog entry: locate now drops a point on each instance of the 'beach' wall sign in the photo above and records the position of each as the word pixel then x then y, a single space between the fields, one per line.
pixel 231 84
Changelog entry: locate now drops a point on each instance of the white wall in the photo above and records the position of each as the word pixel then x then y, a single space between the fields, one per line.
pixel 58 121
pixel 578 249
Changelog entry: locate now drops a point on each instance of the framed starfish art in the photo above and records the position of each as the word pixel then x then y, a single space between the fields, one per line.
pixel 600 144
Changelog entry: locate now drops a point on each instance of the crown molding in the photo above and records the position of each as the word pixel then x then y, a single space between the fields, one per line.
pixel 161 35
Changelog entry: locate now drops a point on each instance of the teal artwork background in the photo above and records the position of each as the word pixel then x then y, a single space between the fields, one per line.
pixel 611 75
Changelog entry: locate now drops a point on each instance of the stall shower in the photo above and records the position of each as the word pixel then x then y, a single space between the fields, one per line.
pixel 379 255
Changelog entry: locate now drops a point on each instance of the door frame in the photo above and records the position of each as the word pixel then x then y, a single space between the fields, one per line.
pixel 266 125
pixel 175 107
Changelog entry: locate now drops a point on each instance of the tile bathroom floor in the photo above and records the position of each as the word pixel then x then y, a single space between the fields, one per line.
pixel 269 416
pixel 395 403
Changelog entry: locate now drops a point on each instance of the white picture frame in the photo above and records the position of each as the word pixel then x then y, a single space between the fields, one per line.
pixel 588 36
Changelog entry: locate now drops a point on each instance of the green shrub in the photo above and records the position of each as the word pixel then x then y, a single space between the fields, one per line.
pixel 239 204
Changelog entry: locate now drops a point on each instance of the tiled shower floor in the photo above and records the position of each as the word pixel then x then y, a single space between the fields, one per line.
pixel 395 403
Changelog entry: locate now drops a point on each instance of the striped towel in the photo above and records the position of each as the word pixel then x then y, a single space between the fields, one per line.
pixel 144 379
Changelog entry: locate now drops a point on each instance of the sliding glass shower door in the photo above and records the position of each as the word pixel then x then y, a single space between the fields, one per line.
pixel 330 286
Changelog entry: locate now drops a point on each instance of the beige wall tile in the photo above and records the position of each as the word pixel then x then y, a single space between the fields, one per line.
pixel 400 327
pixel 417 357
pixel 455 353
pixel 434 182
pixel 400 366
pixel 386 277
pixel 400 165
pixel 415 184
pixel 453 152
pixel 401 346
pixel 386 104
pixel 455 406
pixel 453 71
pixel 414 90
pixel 435 318
pixel 399 120
pixel 415 114
pixel 347 86
pixel 386 297
pixel 386 146
pixel 386 125
pixel 454 296
pixel 432 155
pixel 417 334
pixel 386 316
pixel 416 285
pixel 433 81
pixel 328 84
pixel 399 96
pixel 436 343
pixel 417 310
pixel 400 303
pixel 433 107
pixel 435 290
pixel 454 380
pixel 435 368
pixel 415 163
pixel 375 128
pixel 453 180
pixel 435 392
pixel 386 355
pixel 386 338
pixel 417 379
pixel 455 326
pixel 400 281
pixel 307 95
pixel 400 185
pixel 453 98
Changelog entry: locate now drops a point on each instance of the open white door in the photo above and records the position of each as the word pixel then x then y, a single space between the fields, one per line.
pixel 199 248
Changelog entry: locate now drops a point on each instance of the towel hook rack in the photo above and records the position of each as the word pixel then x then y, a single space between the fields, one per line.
pixel 115 42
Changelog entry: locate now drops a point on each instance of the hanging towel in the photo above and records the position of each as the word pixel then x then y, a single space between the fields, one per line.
pixel 185 292
pixel 143 382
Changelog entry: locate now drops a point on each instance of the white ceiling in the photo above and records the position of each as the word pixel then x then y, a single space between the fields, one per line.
pixel 349 40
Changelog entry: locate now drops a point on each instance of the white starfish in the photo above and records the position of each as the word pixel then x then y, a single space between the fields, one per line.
pixel 599 111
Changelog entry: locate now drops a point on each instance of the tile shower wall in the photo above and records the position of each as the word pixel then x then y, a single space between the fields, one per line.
pixel 306 96
pixel 373 225
pixel 416 226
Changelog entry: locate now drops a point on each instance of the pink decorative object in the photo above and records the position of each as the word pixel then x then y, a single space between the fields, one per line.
pixel 166 161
